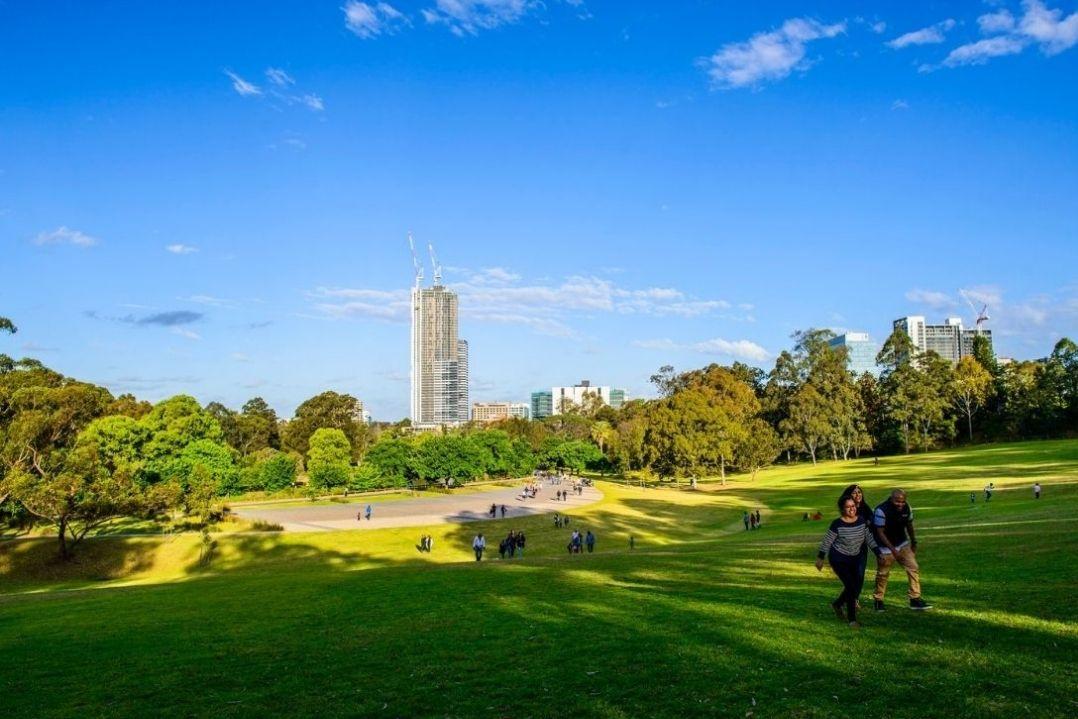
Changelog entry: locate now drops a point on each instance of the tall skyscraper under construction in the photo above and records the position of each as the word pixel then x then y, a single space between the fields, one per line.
pixel 439 371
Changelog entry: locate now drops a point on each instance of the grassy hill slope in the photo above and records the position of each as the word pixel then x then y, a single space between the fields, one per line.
pixel 702 619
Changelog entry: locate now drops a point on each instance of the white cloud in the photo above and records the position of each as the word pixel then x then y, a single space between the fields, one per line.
pixel 985 294
pixel 1049 29
pixel 1000 21
pixel 767 56
pixel 497 295
pixel 900 105
pixel 186 334
pixel 314 102
pixel 279 77
pixel 1045 26
pixel 878 27
pixel 980 52
pixel 925 36
pixel 371 20
pixel 935 300
pixel 468 17
pixel 65 236
pixel 181 249
pixel 243 87
pixel 738 349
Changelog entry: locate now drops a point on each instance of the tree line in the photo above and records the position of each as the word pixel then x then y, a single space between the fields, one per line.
pixel 75 457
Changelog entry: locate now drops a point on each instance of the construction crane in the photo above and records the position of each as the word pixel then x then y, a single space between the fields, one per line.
pixel 434 263
pixel 415 261
pixel 982 315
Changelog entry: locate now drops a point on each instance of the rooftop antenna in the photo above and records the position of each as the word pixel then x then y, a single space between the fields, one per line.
pixel 415 261
pixel 434 262
pixel 982 315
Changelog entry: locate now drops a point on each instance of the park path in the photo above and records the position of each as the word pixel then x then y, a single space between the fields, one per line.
pixel 456 508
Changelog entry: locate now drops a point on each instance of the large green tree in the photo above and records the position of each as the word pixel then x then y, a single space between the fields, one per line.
pixel 328 458
pixel 972 384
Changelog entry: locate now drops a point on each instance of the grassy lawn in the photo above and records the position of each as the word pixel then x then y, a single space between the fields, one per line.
pixel 702 619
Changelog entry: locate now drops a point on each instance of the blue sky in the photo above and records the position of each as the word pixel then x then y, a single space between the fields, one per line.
pixel 216 200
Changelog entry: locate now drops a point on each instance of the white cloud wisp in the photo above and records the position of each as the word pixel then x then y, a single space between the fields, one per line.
pixel 767 56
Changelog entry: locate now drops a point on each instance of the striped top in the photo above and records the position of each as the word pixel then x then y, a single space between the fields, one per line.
pixel 847 538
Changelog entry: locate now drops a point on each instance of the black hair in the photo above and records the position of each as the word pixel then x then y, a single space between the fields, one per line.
pixel 842 502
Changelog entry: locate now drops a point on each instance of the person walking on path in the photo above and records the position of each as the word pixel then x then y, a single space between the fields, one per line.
pixel 757 518
pixel 503 511
pixel 1036 490
pixel 493 511
pixel 367 512
pixel 745 519
pixel 841 546
pixel 520 543
pixel 893 521
pixel 589 540
pixel 478 545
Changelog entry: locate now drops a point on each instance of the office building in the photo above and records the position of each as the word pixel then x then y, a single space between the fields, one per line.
pixel 497 411
pixel 566 397
pixel 950 340
pixel 860 351
pixel 542 404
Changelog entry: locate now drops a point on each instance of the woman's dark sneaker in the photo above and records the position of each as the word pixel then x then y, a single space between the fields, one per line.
pixel 919 604
pixel 877 604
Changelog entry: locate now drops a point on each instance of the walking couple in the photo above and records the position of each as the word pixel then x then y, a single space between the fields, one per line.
pixel 888 532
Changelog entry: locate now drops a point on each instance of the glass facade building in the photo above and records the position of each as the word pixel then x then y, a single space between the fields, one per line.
pixel 860 352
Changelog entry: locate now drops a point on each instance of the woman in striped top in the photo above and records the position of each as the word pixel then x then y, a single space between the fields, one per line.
pixel 842 546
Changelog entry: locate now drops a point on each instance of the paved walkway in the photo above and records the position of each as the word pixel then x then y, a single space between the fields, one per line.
pixel 420 512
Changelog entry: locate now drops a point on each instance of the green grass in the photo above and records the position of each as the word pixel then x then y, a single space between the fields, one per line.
pixel 701 620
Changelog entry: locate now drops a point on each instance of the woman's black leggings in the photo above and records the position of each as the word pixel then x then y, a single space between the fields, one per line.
pixel 852 574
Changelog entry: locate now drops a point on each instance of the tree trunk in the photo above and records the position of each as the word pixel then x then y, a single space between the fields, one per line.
pixel 722 468
pixel 969 418
pixel 64 551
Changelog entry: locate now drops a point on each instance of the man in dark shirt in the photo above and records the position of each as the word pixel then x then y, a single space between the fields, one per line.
pixel 893 521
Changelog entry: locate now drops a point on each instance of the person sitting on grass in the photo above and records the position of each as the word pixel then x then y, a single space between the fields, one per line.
pixel 842 545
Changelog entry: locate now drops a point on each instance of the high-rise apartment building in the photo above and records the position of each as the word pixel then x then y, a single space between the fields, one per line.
pixel 860 351
pixel 439 370
pixel 950 340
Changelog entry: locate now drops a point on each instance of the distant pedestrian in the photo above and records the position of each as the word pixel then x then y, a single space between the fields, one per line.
pixel 692 483
pixel 1036 490
pixel 368 511
pixel 502 549
pixel 565 520
pixel 520 543
pixel 430 543
pixel 988 489
pixel 503 511
pixel 632 542
pixel 478 545
pixel 752 520
pixel 876 461
pixel 745 519
pixel 557 520
pixel 359 516
pixel 973 498
pixel 590 541
pixel 493 511
pixel 757 518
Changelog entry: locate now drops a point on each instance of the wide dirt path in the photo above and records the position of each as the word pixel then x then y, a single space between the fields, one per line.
pixel 420 512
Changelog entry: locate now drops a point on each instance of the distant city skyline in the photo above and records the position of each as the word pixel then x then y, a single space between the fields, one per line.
pixel 612 187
